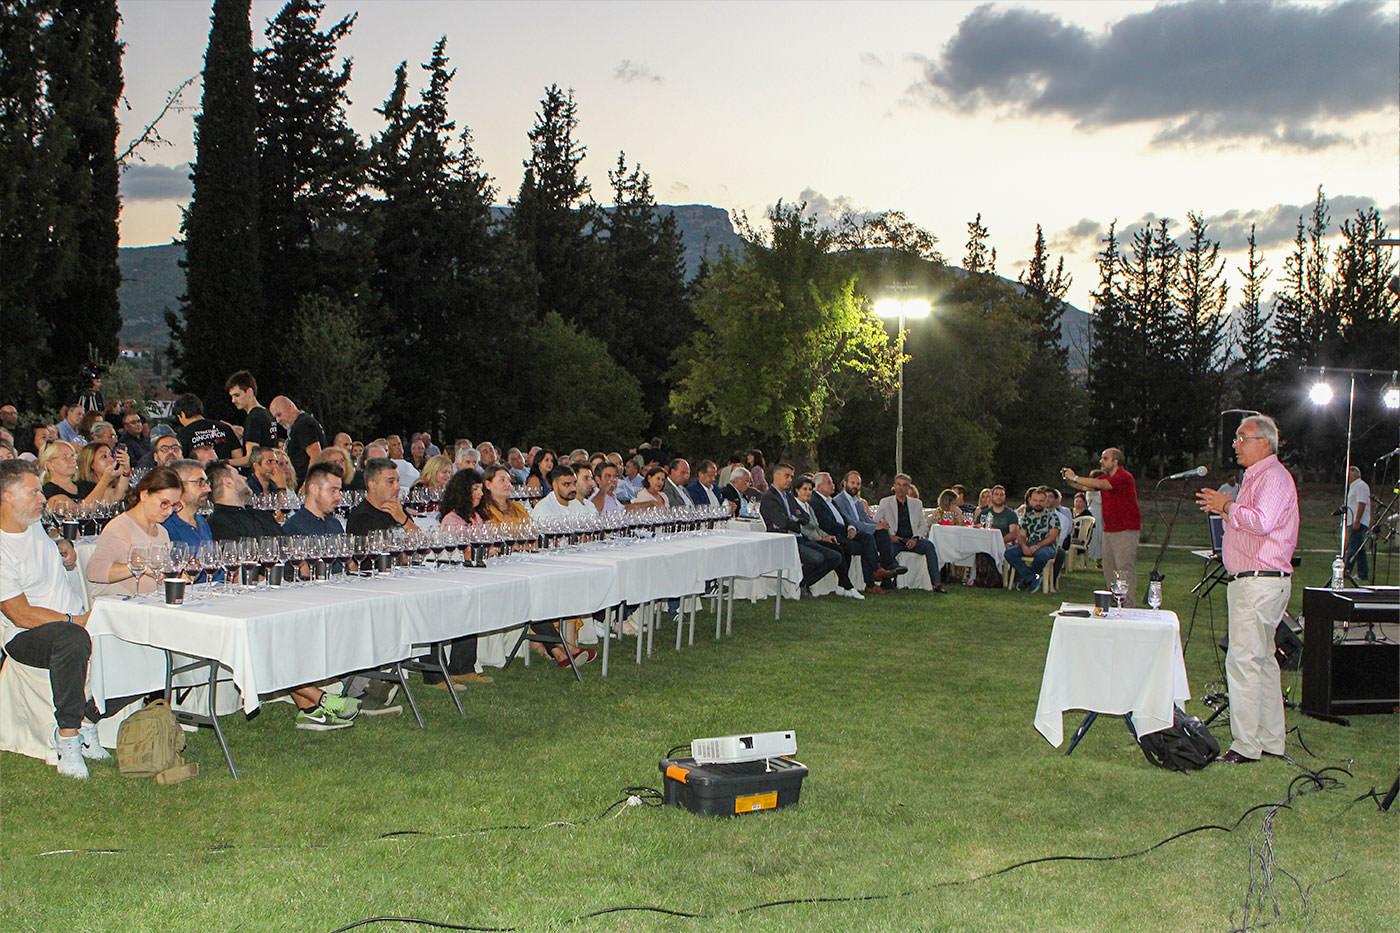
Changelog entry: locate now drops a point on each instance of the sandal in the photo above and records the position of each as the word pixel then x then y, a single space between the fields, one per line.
pixel 582 656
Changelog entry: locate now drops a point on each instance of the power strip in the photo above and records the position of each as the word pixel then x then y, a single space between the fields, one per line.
pixel 731 749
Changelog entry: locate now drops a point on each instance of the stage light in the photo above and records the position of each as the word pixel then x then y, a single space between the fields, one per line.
pixel 901 310
pixel 1390 395
pixel 1320 393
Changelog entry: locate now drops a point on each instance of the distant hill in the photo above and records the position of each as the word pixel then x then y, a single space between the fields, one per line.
pixel 152 280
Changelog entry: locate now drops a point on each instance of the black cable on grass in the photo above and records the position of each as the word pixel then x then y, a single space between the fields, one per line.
pixel 436 924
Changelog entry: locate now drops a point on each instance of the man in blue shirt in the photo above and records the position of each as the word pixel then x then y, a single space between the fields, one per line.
pixel 317 513
pixel 186 525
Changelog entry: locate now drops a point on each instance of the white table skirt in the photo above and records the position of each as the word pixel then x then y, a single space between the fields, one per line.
pixel 960 544
pixel 1130 662
pixel 276 638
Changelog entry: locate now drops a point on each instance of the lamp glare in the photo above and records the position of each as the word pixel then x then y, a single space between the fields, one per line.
pixel 1391 396
pixel 1320 393
pixel 917 308
pixel 887 308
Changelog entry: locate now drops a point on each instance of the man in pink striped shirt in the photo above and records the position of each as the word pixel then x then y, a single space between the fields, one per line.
pixel 1261 531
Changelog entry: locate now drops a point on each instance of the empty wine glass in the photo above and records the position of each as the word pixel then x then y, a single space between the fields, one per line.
pixel 136 562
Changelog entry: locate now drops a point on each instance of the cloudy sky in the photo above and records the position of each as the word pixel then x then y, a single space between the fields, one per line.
pixel 1064 114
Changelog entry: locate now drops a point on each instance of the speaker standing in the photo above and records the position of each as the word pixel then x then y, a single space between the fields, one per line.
pixel 1122 519
pixel 1261 532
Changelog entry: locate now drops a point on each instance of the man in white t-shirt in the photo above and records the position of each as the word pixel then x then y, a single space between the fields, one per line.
pixel 42 623
pixel 562 500
pixel 1358 520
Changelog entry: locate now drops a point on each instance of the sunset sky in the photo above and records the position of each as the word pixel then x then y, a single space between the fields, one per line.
pixel 1066 114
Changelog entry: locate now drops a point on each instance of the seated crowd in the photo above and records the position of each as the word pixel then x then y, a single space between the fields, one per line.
pixel 194 482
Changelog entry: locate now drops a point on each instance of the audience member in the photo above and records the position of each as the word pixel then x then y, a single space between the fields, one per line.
pixel 756 466
pixel 304 435
pixel 702 490
pixel 197 431
pixel 380 510
pixel 540 468
pixel 151 502
pixel 1038 539
pixel 109 472
pixel 263 477
pixel 351 479
pixel 436 472
pixel 70 425
pixel 674 487
pixel 133 437
pixel 185 525
pixel 516 464
pixel 947 512
pixel 231 517
pixel 653 491
pixel 499 506
pixel 42 623
pixel 165 448
pixel 844 519
pixel 815 533
pixel 605 499
pixel 781 515
pixel 903 514
pixel 562 499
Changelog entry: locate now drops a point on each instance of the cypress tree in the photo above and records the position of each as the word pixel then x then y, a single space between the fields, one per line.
pixel 980 258
pixel 1200 335
pixel 223 276
pixel 1251 328
pixel 1047 288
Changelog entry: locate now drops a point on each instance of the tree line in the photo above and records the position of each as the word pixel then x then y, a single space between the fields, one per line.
pixel 374 281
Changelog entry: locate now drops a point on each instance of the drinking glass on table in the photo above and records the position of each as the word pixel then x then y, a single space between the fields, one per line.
pixel 136 563
pixel 209 560
pixel 1120 591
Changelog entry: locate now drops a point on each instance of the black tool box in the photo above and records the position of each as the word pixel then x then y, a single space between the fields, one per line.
pixel 731 789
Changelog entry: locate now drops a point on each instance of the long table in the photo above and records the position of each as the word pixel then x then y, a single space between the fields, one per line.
pixel 275 638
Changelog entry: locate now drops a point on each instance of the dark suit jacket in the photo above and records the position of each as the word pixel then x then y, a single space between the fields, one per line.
pixel 827 518
pixel 778 516
pixel 697 492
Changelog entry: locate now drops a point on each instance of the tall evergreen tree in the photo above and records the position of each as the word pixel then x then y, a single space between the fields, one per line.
pixel 551 223
pixel 223 277
pixel 1047 289
pixel 1364 307
pixel 310 171
pixel 1200 336
pixel 1114 351
pixel 649 316
pixel 84 84
pixel 1251 330
pixel 31 151
pixel 981 258
pixel 1294 335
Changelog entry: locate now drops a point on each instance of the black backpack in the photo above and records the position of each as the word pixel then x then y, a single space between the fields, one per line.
pixel 1186 746
pixel 987 574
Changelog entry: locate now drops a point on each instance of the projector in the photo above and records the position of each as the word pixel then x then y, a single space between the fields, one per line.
pixel 731 749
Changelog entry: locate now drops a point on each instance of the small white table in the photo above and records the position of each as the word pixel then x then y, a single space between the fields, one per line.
pixel 1129 663
pixel 960 544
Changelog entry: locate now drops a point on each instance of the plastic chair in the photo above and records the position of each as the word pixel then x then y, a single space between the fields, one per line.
pixel 1079 542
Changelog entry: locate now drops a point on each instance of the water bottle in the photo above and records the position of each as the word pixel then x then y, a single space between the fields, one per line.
pixel 1154 594
pixel 1339 568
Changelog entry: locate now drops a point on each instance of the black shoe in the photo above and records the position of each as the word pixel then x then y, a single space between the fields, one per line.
pixel 805 592
pixel 898 569
pixel 1233 757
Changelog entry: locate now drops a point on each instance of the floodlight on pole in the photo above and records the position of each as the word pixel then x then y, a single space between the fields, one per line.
pixel 1390 395
pixel 1320 393
pixel 897 309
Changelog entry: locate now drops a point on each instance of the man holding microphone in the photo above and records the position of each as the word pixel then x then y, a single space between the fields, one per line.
pixel 1261 532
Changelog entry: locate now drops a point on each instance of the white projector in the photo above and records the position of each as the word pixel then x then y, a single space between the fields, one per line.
pixel 732 749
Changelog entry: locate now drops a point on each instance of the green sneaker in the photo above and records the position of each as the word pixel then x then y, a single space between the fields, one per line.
pixel 320 719
pixel 342 707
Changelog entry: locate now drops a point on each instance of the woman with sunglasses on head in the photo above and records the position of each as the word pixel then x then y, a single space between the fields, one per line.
pixel 151 502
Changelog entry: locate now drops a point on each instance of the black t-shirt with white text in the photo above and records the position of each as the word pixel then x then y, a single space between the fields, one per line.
pixel 205 433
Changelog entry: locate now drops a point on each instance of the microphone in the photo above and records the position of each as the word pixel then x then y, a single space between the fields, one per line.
pixel 1384 457
pixel 1187 474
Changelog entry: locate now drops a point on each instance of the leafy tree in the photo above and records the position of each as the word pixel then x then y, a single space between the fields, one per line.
pixel 783 340
pixel 310 171
pixel 980 258
pixel 583 398
pixel 889 230
pixel 342 374
pixel 223 275
pixel 1251 330
pixel 1047 289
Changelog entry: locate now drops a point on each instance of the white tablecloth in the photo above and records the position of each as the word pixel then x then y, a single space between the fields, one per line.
pixel 276 638
pixel 960 544
pixel 1130 662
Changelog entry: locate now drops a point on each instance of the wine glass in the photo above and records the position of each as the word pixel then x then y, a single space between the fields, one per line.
pixel 136 561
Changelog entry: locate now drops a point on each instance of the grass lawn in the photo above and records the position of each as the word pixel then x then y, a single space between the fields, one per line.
pixel 913 713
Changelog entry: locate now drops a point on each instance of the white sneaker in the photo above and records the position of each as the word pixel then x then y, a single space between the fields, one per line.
pixel 855 593
pixel 70 755
pixel 92 747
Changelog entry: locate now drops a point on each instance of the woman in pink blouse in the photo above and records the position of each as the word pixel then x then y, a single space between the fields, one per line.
pixel 461 501
pixel 151 502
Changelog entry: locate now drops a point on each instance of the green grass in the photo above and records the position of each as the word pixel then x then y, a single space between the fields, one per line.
pixel 913 713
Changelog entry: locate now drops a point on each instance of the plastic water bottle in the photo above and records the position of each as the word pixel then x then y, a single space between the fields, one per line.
pixel 1154 594
pixel 1339 568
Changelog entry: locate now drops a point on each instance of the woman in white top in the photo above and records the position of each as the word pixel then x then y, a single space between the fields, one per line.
pixel 150 503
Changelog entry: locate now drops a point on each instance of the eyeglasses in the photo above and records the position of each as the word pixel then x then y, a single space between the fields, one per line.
pixel 202 481
pixel 1249 437
pixel 167 448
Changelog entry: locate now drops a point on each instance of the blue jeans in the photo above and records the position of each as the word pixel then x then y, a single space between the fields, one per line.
pixel 925 547
pixel 1017 560
pixel 1356 554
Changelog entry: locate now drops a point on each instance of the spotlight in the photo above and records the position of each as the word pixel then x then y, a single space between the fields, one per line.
pixel 1320 393
pixel 1390 395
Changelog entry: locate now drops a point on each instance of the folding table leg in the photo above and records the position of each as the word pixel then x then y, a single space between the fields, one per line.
pixel 609 615
pixel 412 703
pixel 1079 733
pixel 778 603
pixel 210 718
pixel 214 718
pixel 440 656
pixel 729 625
pixel 694 608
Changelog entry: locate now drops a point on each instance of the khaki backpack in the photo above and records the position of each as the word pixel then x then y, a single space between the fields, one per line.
pixel 149 743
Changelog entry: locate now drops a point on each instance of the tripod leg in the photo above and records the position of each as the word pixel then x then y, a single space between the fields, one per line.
pixel 1079 733
pixel 1216 715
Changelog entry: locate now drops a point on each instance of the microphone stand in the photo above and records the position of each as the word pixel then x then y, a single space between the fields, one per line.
pixel 1156 575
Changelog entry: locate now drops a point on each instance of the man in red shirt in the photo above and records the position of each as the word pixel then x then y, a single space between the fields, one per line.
pixel 1122 519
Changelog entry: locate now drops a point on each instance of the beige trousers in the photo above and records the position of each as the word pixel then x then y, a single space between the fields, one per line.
pixel 1120 557
pixel 1256 697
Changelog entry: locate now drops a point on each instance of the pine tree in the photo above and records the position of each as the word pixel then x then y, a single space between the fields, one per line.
pixel 310 171
pixel 980 258
pixel 552 224
pixel 1251 330
pixel 31 148
pixel 650 314
pixel 1047 289
pixel 223 276
pixel 1359 296
pixel 1294 335
pixel 1114 353
pixel 84 84
pixel 1200 335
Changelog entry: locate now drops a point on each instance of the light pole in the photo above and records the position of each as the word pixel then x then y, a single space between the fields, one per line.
pixel 900 309
pixel 1321 395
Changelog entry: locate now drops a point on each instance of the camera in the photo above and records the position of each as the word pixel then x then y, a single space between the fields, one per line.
pixel 91 370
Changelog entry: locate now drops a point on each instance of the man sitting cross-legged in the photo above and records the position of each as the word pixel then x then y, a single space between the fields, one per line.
pixel 904 516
